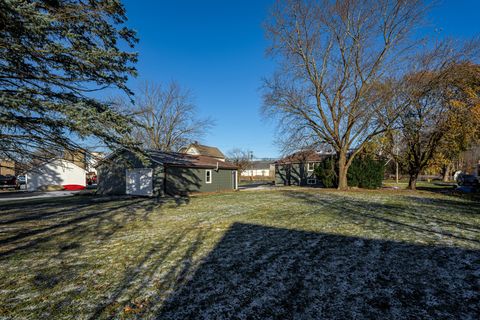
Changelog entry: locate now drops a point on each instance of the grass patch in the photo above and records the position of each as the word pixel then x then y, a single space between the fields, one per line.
pixel 289 253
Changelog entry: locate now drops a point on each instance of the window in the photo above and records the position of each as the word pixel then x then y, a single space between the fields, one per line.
pixel 311 181
pixel 310 166
pixel 208 176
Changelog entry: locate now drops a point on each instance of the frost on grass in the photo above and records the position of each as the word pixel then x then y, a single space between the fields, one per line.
pixel 291 253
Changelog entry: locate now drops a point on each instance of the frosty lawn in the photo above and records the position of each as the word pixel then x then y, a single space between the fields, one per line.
pixel 291 253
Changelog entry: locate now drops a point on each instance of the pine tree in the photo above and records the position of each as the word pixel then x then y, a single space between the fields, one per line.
pixel 54 54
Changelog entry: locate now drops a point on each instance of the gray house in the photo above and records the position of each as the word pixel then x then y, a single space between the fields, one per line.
pixel 298 169
pixel 164 173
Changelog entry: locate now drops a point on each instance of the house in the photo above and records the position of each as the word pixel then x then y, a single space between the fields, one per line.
pixel 197 149
pixel 7 167
pixel 258 169
pixel 56 172
pixel 299 168
pixel 161 173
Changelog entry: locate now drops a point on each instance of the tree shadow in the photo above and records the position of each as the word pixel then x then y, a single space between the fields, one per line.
pixel 31 224
pixel 258 272
pixel 400 217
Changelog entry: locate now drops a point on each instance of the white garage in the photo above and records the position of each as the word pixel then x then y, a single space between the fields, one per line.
pixel 57 172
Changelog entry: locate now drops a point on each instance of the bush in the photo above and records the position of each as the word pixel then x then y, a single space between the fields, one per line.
pixel 326 172
pixel 364 172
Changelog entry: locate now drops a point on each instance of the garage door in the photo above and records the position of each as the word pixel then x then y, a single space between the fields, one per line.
pixel 139 182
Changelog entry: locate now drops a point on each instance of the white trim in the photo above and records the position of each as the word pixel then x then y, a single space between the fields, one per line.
pixel 314 181
pixel 206 176
pixel 308 166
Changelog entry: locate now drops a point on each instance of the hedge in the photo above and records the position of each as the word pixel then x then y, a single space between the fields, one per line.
pixel 364 172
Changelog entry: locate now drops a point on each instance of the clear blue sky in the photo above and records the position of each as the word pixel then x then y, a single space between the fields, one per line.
pixel 216 48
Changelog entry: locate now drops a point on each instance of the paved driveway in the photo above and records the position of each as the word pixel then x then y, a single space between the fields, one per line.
pixel 25 195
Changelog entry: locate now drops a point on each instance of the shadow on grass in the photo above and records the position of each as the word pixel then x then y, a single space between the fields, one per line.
pixel 417 218
pixel 258 272
pixel 30 224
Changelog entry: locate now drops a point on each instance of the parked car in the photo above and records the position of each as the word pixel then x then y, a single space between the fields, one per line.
pixel 22 182
pixel 8 182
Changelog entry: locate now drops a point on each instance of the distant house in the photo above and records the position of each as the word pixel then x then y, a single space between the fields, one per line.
pixel 299 168
pixel 7 167
pixel 56 172
pixel 261 168
pixel 469 161
pixel 162 173
pixel 197 149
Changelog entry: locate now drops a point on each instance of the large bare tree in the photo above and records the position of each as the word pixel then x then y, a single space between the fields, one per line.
pixel 166 117
pixel 332 56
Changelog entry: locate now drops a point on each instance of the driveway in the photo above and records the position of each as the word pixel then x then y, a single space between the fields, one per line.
pixel 25 195
pixel 256 186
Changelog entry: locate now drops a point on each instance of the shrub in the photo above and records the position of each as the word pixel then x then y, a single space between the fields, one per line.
pixel 326 172
pixel 364 172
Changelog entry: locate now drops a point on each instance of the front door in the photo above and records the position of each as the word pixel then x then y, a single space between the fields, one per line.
pixel 139 182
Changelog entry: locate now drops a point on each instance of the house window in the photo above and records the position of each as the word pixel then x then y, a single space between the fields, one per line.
pixel 208 176
pixel 311 181
pixel 310 166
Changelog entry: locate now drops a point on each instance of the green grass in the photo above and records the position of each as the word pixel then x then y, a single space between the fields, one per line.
pixel 288 253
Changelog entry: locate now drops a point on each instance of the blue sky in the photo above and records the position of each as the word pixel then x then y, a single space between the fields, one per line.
pixel 217 49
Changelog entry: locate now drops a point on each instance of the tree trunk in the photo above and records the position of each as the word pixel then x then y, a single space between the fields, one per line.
pixel 342 171
pixel 446 173
pixel 412 181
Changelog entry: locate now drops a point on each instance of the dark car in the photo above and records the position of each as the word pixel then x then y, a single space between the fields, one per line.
pixel 8 181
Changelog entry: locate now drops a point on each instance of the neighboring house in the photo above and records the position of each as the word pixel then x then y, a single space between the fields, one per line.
pixel 299 168
pixel 202 150
pixel 162 173
pixel 92 160
pixel 57 172
pixel 469 161
pixel 260 168
pixel 7 167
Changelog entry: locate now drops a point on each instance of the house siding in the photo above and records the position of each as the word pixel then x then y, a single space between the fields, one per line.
pixel 179 180
pixel 294 174
pixel 185 180
pixel 112 174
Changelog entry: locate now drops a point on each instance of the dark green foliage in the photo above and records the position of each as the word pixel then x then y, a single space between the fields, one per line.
pixel 326 173
pixel 53 55
pixel 364 172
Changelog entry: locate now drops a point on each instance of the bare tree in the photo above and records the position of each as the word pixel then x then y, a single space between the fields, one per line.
pixel 166 117
pixel 332 56
pixel 240 158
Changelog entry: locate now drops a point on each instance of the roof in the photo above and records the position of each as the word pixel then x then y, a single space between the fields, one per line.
pixel 304 156
pixel 50 161
pixel 188 160
pixel 261 164
pixel 206 150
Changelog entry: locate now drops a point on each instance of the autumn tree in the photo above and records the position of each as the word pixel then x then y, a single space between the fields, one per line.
pixel 332 57
pixel 166 117
pixel 463 118
pixel 54 54
pixel 438 101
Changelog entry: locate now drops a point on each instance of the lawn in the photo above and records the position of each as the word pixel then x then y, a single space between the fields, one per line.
pixel 286 254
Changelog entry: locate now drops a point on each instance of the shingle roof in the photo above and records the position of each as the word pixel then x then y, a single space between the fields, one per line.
pixel 188 160
pixel 304 156
pixel 207 150
pixel 261 164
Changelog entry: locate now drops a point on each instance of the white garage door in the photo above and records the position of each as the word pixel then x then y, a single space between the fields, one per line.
pixel 139 182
